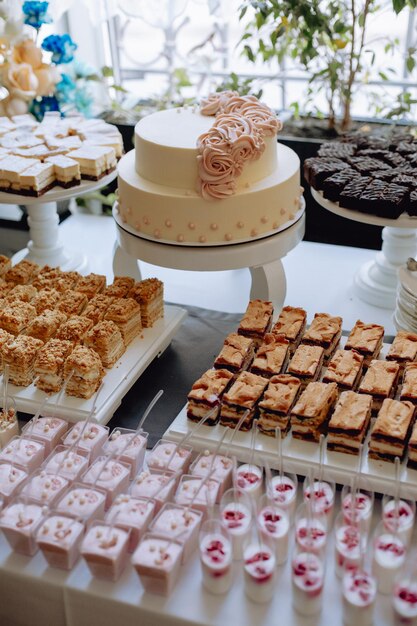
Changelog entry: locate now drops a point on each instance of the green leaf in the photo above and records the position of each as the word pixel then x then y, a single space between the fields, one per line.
pixel 249 53
pixel 120 88
pixel 398 5
pixel 260 20
pixel 383 76
pixel 107 71
pixel 243 12
pixel 410 63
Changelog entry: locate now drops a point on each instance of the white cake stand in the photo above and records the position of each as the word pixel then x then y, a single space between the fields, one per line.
pixel 262 257
pixel 376 281
pixel 44 246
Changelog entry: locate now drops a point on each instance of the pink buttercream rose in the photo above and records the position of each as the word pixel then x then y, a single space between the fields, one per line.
pixel 27 52
pixel 233 125
pixel 21 78
pixel 216 166
pixel 234 104
pixel 263 118
pixel 246 148
pixel 214 101
pixel 217 191
pixel 215 137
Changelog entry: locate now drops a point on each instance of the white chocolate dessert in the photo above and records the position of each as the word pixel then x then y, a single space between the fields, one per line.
pixel 388 557
pixel 44 488
pixel 89 437
pixel 105 550
pixel 249 478
pixel 359 595
pixel 19 522
pixel 83 502
pixel 216 561
pixel 59 538
pixel 283 491
pixel 110 475
pixel 274 524
pixel 157 562
pixel 347 548
pixel 11 479
pixel 26 453
pixel 236 517
pixel 178 522
pixel 132 514
pixel 308 580
pixel 405 600
pixel 311 536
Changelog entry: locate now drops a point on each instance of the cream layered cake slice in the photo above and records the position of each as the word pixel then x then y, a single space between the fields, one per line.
pixel 366 339
pixel 114 141
pixel 72 303
pixel 20 355
pixel 306 363
pixel 46 298
pixel 242 396
pixel 391 430
pixel 86 370
pixel 22 273
pixel 276 404
pixel 75 329
pixel 412 448
pixel 237 353
pixel 5 264
pixel 66 170
pixel 311 413
pixel 344 369
pixel 291 323
pixel 49 365
pixel 45 325
pixel 120 287
pixel 11 169
pixel 16 316
pixel 380 381
pixel 37 179
pixel 349 423
pixel 409 386
pixel 325 330
pixel 94 161
pixel 149 294
pixel 91 285
pixel 4 338
pixel 206 394
pixel 125 313
pixel 257 320
pixel 21 293
pixel 403 349
pixel 106 339
pixel 97 307
pixel 271 357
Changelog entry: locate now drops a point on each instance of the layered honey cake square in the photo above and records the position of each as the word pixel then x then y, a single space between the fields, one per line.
pixel 403 349
pixel 5 288
pixel 120 287
pixel 91 285
pixel 380 381
pixel 47 277
pixel 236 354
pixel 391 430
pixel 205 395
pixel 5 264
pixel 49 365
pixel 84 371
pixel 45 325
pixel 257 320
pixel 72 303
pixel 126 314
pixel 74 329
pixel 21 293
pixel 14 317
pixel 97 307
pixel 276 404
pixel 271 357
pixel 325 330
pixel 291 323
pixel 409 386
pixel 106 339
pixel 46 298
pixel 20 354
pixel 311 413
pixel 344 369
pixel 306 363
pixel 4 338
pixel 412 448
pixel 242 396
pixel 22 273
pixel 149 294
pixel 349 423
pixel 366 339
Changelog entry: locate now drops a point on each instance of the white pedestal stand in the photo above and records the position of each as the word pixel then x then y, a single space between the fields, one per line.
pixel 376 281
pixel 44 246
pixel 262 257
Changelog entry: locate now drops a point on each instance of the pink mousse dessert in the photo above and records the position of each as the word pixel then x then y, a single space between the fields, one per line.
pixel 66 462
pixel 221 466
pixel 83 502
pixel 91 440
pixel 178 521
pixel 19 522
pixel 283 491
pixel 110 475
pixel 26 453
pixel 59 538
pixel 323 497
pixel 348 548
pixel 388 557
pixel 399 518
pixel 132 514
pixel 259 566
pixel 361 511
pixel 249 479
pixel 216 557
pixel 156 484
pixel 129 445
pixel 157 562
pixel 359 593
pixel 45 488
pixel 47 430
pixel 11 479
pixel 307 583
pixel 105 550
pixel 193 489
pixel 405 601
pixel 274 526
pixel 167 455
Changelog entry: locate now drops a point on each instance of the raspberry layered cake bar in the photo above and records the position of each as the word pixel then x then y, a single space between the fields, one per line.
pixel 291 324
pixel 344 369
pixel 242 396
pixel 380 381
pixel 257 320
pixel 366 339
pixel 324 331
pixel 271 357
pixel 306 364
pixel 391 430
pixel 206 394
pixel 276 404
pixel 236 354
pixel 311 413
pixel 349 423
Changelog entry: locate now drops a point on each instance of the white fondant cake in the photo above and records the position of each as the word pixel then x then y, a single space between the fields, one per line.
pixel 168 192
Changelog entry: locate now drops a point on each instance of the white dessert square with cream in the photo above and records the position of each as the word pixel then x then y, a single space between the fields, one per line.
pixel 66 170
pixel 37 179
pixel 94 161
pixel 11 169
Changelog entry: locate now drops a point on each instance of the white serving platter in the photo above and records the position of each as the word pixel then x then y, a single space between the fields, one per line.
pixel 116 383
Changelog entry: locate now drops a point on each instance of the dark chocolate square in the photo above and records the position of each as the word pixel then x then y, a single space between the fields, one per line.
pixel 349 197
pixel 337 149
pixel 366 165
pixel 334 184
pixel 317 169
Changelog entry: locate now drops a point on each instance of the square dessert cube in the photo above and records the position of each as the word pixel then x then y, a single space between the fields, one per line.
pixel 22 273
pixel 72 303
pixel 47 430
pixel 64 281
pixel 83 502
pixel 311 413
pixel 132 514
pixel 276 404
pixel 409 386
pixel 271 357
pixel 412 448
pixel 66 170
pixel 91 285
pixel 129 445
pixel 95 161
pixel 149 294
pixel 21 293
pixel 220 467
pixel 37 179
pixel 291 323
pixel 46 298
pixel 205 395
pixel 49 365
pixel 167 455
pixel 181 522
pixel 110 475
pixel 344 369
pixel 88 436
pixel 75 329
pixel 44 488
pixel 5 288
pixel 126 314
pixel 87 373
pixel 47 277
pixel 105 550
pixel 403 349
pixel 11 480
pixel 20 354
pixel 257 320
pixel 5 264
pixel 158 485
pixel 19 522
pixel 391 430
pixel 14 317
pixel 66 462
pixel 349 423
pixel 366 339
pixel 380 381
pixel 97 307
pixel 45 325
pixel 5 337
pixel 120 287
pixel 197 491
pixel 236 354
pixel 306 363
pixel 242 396
pixel 59 538
pixel 106 339
pixel 325 331
pixel 24 452
pixel 157 562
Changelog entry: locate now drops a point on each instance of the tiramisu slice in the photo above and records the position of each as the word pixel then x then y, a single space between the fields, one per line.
pixel 409 386
pixel 149 293
pixel 403 349
pixel 311 413
pixel 19 354
pixel 291 323
pixel 391 430
pixel 366 339
pixel 206 394
pixel 67 171
pixel 84 366
pixel 257 320
pixel 73 303
pixel 94 161
pixel 276 404
pixel 74 329
pixel 11 169
pixel 325 331
pixel 236 354
pixel 306 363
pixel 97 307
pixel 21 293
pixel 14 317
pixel 45 325
pixel 344 369
pixel 22 273
pixel 106 339
pixel 37 179
pixel 49 365
pixel 91 285
pixel 126 314
pixel 412 448
pixel 244 394
pixel 380 381
pixel 349 423
pixel 46 298
pixel 120 287
pixel 271 357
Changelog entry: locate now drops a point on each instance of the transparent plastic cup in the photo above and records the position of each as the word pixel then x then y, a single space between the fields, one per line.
pixel 173 521
pixel 389 553
pixel 47 430
pixel 274 525
pixel 157 561
pixel 92 439
pixel 216 555
pixel 359 595
pixel 221 466
pixel 323 493
pixel 248 478
pixel 166 455
pixel 44 488
pixel 83 502
pixel 59 538
pixel 311 532
pixel 399 517
pixel 283 490
pixel 349 544
pixel 132 514
pixel 105 550
pixel 307 576
pixel 362 511
pixel 19 521
pixel 26 453
pixel 131 447
pixel 236 516
pixel 259 569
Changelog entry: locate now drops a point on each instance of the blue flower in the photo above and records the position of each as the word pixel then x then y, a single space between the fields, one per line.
pixel 65 89
pixel 39 106
pixel 83 101
pixel 36 14
pixel 61 46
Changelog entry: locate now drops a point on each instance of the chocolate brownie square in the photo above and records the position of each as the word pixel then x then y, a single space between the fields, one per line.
pixel 412 204
pixel 406 147
pixel 333 185
pixel 386 175
pixel 406 180
pixel 366 165
pixel 349 197
pixel 316 169
pixel 394 159
pixel 337 149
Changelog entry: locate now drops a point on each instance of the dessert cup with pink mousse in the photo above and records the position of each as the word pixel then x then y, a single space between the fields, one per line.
pixel 105 550
pixel 19 522
pixel 157 561
pixel 129 446
pixel 216 554
pixel 59 538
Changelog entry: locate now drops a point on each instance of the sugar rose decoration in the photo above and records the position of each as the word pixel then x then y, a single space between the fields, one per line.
pixel 237 137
